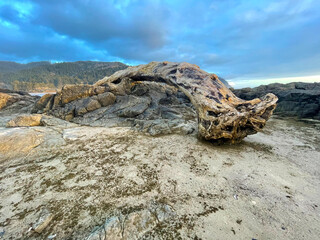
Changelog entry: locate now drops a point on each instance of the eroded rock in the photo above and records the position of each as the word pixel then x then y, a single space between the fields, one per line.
pixel 44 103
pixel 16 101
pixel 106 99
pixel 296 99
pixel 149 107
pixel 70 93
pixel 159 96
pixel 29 120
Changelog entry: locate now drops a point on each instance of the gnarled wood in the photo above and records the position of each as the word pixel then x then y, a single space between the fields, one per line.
pixel 140 94
pixel 221 115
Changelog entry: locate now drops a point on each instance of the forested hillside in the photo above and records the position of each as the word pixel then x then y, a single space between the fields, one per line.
pixel 7 67
pixel 44 76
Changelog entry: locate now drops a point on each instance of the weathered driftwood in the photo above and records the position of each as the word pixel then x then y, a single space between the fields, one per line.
pixel 221 115
pixel 136 93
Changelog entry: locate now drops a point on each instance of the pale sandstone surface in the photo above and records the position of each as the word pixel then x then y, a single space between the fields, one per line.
pixel 26 120
pixel 119 183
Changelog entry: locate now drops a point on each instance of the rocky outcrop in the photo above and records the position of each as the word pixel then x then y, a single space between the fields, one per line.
pixel 16 101
pixel 149 107
pixel 162 97
pixel 298 99
pixel 29 120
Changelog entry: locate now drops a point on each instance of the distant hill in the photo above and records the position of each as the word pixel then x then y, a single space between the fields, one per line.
pixel 44 76
pixel 7 67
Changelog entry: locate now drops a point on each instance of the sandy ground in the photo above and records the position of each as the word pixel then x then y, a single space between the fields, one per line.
pixel 267 187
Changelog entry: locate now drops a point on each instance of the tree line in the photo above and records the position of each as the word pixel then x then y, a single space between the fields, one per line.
pixel 54 76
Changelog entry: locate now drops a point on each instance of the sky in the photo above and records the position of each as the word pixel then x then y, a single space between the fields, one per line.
pixel 248 42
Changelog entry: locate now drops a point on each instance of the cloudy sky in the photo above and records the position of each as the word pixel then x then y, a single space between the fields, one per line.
pixel 245 41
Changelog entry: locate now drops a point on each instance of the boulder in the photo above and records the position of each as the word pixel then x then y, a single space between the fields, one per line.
pixel 106 99
pixel 44 103
pixel 25 121
pixel 16 101
pixel 70 93
pixel 85 105
pixel 92 104
pixel 165 95
pixel 130 106
pixel 298 99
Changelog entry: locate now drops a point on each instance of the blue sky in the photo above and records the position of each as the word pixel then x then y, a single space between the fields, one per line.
pixel 245 41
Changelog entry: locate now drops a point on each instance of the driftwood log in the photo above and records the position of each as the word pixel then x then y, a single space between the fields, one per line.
pixel 221 115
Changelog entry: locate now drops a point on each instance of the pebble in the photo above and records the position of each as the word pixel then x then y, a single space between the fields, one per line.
pixel 99 173
pixel 52 236
pixel 43 221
